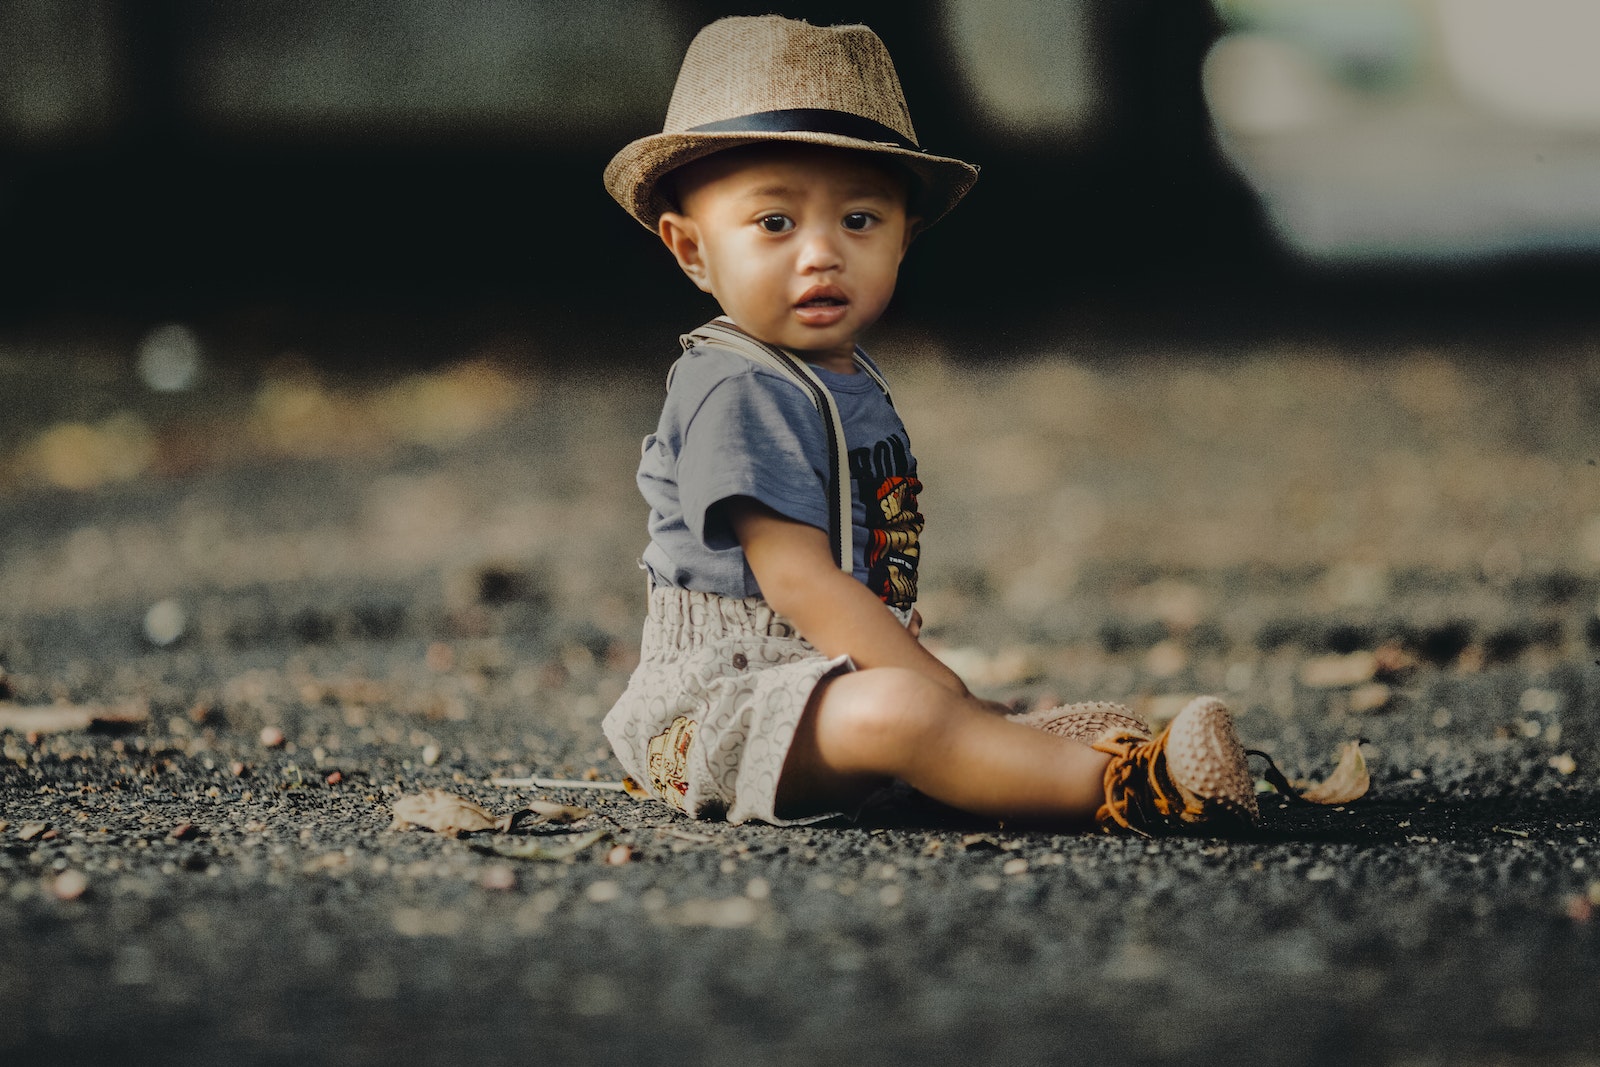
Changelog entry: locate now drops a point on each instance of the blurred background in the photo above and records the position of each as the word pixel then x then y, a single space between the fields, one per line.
pixel 1219 166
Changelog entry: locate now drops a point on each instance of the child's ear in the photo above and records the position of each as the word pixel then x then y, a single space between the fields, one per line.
pixel 912 225
pixel 682 238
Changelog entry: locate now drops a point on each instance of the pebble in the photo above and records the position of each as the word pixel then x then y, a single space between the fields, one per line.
pixel 602 892
pixel 272 737
pixel 69 885
pixel 498 876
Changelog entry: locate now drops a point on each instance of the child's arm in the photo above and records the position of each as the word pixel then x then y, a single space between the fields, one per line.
pixel 793 563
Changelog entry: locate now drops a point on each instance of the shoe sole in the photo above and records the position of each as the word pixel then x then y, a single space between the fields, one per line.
pixel 1205 758
pixel 1087 723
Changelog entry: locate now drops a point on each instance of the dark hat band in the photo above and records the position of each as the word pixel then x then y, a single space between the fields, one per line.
pixel 810 120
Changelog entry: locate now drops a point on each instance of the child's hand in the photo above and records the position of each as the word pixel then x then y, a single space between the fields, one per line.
pixel 793 564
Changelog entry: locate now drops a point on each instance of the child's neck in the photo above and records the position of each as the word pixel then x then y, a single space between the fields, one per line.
pixel 832 361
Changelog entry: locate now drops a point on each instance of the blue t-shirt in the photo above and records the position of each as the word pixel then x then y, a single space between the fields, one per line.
pixel 731 427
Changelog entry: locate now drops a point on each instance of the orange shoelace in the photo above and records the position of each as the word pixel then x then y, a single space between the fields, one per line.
pixel 1141 794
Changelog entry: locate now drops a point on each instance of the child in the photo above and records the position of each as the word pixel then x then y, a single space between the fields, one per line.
pixel 781 677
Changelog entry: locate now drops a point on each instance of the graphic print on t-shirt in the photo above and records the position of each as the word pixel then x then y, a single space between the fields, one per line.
pixel 888 488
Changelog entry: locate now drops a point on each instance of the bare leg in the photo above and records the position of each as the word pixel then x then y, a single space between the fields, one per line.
pixel 864 727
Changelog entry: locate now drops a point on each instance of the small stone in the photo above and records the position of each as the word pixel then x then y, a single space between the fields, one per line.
pixel 272 737
pixel 619 855
pixel 184 831
pixel 499 877
pixel 603 892
pixel 335 778
pixel 430 755
pixel 164 623
pixel 1015 866
pixel 69 885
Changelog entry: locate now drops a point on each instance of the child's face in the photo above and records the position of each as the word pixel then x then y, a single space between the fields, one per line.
pixel 800 245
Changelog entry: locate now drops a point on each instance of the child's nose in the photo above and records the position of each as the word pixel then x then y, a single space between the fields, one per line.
pixel 819 250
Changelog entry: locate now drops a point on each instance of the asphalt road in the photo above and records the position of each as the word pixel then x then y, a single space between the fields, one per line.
pixel 240 621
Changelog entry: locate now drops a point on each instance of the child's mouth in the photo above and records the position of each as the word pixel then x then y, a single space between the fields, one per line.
pixel 821 309
pixel 822 306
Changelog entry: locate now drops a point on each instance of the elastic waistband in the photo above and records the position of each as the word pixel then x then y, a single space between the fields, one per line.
pixel 686 618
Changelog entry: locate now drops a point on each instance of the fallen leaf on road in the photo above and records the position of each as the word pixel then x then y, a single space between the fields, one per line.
pixel 59 718
pixel 1349 781
pixel 328 861
pixel 539 848
pixel 445 813
pixel 536 782
pixel 550 811
pixel 729 913
pixel 1372 696
pixel 1335 672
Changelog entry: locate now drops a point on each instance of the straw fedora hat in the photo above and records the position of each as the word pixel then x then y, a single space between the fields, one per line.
pixel 747 79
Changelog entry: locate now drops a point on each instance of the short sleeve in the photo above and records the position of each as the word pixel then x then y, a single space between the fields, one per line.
pixel 758 436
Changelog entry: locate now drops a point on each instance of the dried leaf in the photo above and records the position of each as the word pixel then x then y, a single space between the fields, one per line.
pixel 685 835
pixel 445 813
pixel 59 718
pixel 1338 672
pixel 635 790
pixel 1370 697
pixel 1349 781
pixel 729 913
pixel 536 782
pixel 550 811
pixel 538 848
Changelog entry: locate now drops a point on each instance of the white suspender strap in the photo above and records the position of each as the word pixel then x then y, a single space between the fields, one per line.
pixel 723 333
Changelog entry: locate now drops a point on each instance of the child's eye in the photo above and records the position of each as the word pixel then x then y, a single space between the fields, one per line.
pixel 858 220
pixel 776 223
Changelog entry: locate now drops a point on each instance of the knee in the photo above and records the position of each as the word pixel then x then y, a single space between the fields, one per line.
pixel 883 711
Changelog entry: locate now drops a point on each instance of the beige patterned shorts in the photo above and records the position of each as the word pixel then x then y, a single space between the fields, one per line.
pixel 708 716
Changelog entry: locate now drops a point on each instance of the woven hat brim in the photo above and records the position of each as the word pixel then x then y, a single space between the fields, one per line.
pixel 633 177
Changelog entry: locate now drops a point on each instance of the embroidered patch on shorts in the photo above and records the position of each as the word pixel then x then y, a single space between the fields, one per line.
pixel 668 762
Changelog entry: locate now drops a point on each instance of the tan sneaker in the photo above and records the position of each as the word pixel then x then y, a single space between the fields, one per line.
pixel 1194 772
pixel 1084 722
